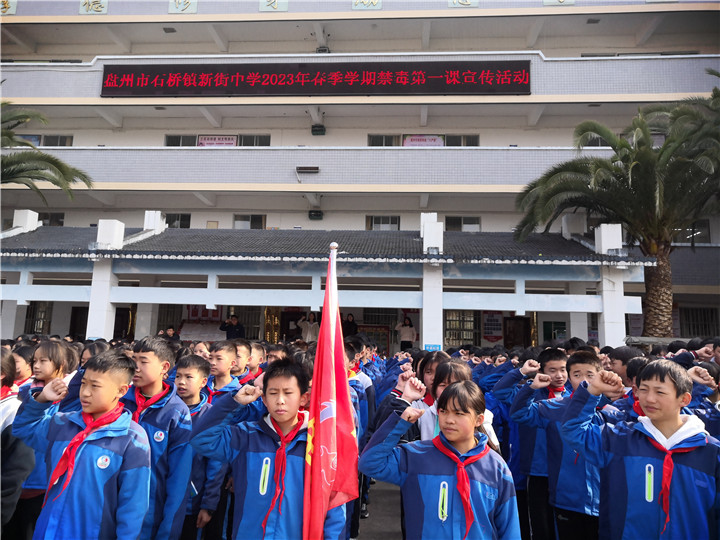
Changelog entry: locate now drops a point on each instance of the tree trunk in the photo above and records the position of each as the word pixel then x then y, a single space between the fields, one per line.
pixel 658 297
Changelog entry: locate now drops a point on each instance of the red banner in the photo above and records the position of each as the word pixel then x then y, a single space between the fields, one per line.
pixel 332 443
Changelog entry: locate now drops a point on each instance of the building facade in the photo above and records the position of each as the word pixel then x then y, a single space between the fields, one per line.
pixel 350 115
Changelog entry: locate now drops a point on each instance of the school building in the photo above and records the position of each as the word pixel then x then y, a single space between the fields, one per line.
pixel 231 141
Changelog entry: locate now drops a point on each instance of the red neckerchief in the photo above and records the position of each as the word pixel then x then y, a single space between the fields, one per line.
pixel 20 383
pixel 463 481
pixel 637 408
pixel 67 460
pixel 555 392
pixel 5 391
pixel 256 375
pixel 280 461
pixel 144 403
pixel 668 465
pixel 246 379
pixel 428 399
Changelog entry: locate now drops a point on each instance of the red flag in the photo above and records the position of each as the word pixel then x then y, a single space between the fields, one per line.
pixel 331 441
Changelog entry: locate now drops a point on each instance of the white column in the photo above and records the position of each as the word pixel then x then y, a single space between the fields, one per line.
pixel 611 325
pixel 9 318
pixel 101 314
pixel 578 320
pixel 147 314
pixel 520 291
pixel 431 325
pixel 317 293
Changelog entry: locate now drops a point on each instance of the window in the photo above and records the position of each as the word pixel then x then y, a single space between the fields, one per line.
pixel 51 219
pixel 180 140
pixel 383 140
pixel 382 223
pixel 699 322
pixel 462 223
pixel 254 221
pixel 178 221
pixel 380 316
pixel 462 140
pixel 57 140
pixel 462 327
pixel 254 140
pixel 37 318
pixel 698 231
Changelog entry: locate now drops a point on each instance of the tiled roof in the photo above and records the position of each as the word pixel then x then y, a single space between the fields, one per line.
pixel 271 244
pixel 74 240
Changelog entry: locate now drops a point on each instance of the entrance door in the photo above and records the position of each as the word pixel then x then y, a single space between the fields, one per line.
pixel 517 332
pixel 78 322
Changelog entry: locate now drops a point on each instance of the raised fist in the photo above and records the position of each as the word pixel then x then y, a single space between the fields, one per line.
pixel 411 414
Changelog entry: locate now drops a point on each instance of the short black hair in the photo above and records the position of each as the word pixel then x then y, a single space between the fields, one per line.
pixel 193 361
pixel 161 347
pixel 287 368
pixel 624 354
pixel 713 369
pixel 548 355
pixel 635 366
pixel 9 374
pixel 583 357
pixel 661 369
pixel 573 344
pixel 112 361
pixel 675 346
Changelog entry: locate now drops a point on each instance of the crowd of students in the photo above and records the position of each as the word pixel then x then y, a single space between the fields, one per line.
pixel 160 439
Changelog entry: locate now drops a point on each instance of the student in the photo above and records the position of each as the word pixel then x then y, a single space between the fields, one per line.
pixel 243 350
pixel 659 476
pixel 619 357
pixel 223 355
pixel 533 451
pixel 23 357
pixel 267 457
pixel 574 484
pixel 207 475
pixel 406 334
pixel 156 406
pixel 18 460
pixel 442 499
pixel 49 361
pixel 257 357
pixel 98 458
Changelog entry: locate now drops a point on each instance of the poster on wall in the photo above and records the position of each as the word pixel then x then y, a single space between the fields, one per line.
pixel 492 326
pixel 199 313
pixel 217 140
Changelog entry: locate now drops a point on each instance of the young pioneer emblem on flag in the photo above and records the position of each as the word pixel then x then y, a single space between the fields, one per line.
pixel 331 440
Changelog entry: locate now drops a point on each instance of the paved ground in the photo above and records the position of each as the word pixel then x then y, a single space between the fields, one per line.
pixel 384 508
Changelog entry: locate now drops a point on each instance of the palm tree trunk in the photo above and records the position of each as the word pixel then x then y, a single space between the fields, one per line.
pixel 658 297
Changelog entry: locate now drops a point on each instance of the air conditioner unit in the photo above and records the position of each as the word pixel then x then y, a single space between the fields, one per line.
pixel 317 129
pixel 315 215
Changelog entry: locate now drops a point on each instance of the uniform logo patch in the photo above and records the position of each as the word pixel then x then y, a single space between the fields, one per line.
pixel 103 462
pixel 159 436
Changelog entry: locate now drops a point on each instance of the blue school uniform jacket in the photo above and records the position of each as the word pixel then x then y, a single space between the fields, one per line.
pixel 168 427
pixel 38 478
pixel 108 493
pixel 206 478
pixel 427 479
pixel 533 444
pixel 574 484
pixel 631 472
pixel 210 391
pixel 249 448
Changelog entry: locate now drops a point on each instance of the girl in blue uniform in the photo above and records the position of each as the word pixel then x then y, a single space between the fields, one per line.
pixel 453 486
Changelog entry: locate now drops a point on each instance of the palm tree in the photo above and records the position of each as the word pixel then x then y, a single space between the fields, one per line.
pixel 652 191
pixel 26 167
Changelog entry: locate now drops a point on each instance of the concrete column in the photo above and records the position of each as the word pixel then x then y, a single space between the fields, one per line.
pixel 611 324
pixel 520 291
pixel 578 319
pixel 9 319
pixel 318 293
pixel 101 313
pixel 431 322
pixel 147 314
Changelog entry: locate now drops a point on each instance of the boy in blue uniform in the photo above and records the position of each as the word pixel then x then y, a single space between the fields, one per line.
pixel 98 459
pixel 156 406
pixel 207 475
pixel 267 457
pixel 659 476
